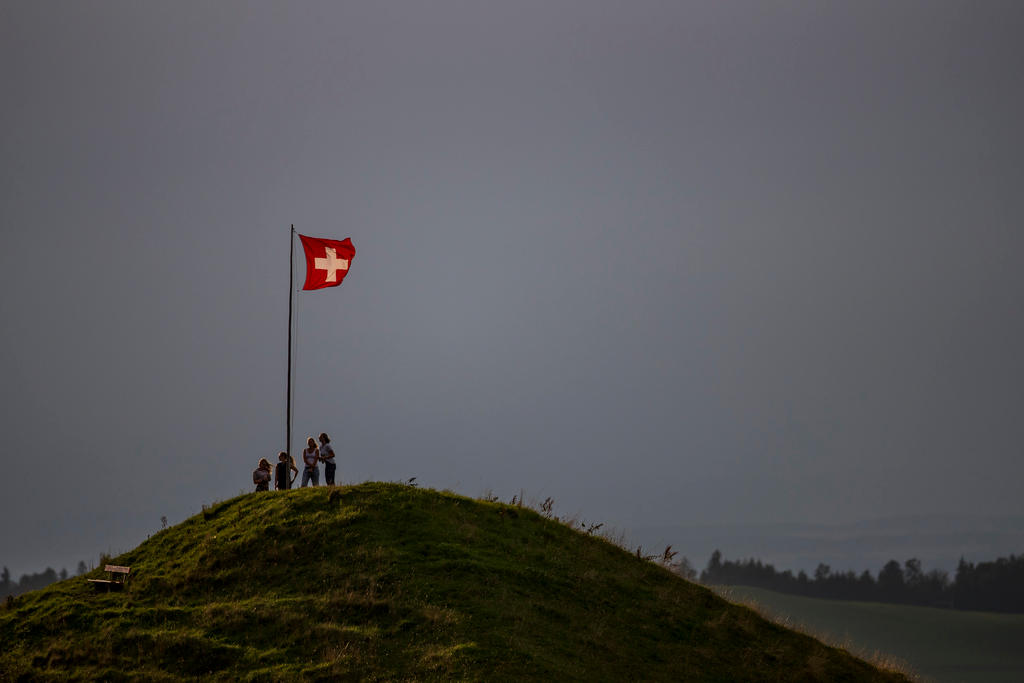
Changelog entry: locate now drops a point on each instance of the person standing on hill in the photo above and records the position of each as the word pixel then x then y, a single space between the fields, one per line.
pixel 311 456
pixel 261 475
pixel 283 478
pixel 327 455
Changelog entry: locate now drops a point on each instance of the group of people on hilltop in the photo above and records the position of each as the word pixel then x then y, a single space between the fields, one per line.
pixel 283 475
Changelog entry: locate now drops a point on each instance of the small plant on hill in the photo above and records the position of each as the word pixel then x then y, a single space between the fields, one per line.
pixel 667 556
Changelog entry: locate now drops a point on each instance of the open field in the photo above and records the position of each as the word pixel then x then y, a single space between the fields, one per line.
pixel 937 644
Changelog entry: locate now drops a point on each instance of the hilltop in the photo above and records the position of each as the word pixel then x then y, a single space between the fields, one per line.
pixel 390 582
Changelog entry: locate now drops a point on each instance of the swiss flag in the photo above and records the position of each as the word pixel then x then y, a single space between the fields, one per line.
pixel 327 261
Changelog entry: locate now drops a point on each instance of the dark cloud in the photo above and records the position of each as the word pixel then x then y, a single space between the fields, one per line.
pixel 663 262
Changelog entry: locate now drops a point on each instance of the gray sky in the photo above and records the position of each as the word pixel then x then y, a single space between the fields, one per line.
pixel 664 262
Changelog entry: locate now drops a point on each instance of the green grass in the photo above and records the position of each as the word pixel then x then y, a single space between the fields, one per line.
pixel 389 582
pixel 939 644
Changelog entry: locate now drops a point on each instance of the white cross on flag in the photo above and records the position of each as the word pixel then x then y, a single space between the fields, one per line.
pixel 327 261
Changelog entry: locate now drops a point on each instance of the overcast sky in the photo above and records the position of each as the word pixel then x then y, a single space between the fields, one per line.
pixel 665 262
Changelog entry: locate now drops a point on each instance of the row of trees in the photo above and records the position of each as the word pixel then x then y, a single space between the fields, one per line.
pixel 31 582
pixel 996 586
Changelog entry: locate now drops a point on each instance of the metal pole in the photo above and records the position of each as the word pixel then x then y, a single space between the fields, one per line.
pixel 291 294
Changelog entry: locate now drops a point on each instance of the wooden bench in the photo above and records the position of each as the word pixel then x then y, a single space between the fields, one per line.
pixel 118 575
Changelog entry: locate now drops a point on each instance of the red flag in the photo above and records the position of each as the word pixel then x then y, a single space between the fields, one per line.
pixel 327 261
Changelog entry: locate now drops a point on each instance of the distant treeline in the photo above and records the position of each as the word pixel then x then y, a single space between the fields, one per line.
pixel 31 582
pixel 996 586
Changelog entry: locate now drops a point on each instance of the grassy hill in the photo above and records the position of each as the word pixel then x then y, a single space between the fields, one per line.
pixel 940 644
pixel 389 582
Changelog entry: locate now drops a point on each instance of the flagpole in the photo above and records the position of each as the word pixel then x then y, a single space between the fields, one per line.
pixel 291 295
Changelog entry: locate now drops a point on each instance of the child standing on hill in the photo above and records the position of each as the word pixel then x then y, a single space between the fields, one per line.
pixel 282 476
pixel 311 456
pixel 327 455
pixel 261 475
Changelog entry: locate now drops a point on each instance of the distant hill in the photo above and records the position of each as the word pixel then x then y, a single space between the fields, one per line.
pixel 390 582
pixel 938 541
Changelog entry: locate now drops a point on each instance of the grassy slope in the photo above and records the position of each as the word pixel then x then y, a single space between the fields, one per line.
pixel 944 645
pixel 382 581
